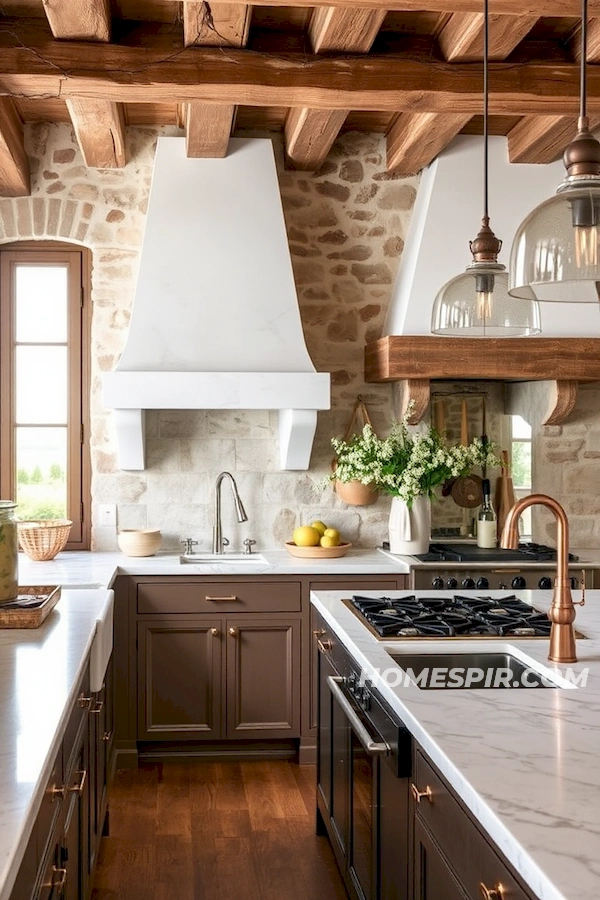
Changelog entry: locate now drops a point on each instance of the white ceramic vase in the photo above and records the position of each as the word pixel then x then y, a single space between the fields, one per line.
pixel 410 529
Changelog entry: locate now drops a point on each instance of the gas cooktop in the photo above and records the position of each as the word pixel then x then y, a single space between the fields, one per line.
pixel 526 552
pixel 456 616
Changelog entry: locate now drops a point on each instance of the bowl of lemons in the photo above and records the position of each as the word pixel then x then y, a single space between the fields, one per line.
pixel 317 541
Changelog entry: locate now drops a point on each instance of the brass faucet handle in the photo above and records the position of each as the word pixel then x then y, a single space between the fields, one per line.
pixel 582 601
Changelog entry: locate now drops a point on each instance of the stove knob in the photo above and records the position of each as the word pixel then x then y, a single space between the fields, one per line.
pixel 452 583
pixel 468 583
pixel 482 583
pixel 518 582
pixel 438 583
pixel 351 683
pixel 545 583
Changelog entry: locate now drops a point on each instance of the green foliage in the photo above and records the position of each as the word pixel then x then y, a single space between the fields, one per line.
pixel 56 472
pixel 521 463
pixel 36 476
pixel 22 476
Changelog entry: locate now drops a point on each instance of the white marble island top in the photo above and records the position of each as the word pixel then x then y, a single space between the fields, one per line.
pixel 39 673
pixel 525 762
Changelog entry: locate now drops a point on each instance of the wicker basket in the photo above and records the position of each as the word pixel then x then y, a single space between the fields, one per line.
pixel 42 539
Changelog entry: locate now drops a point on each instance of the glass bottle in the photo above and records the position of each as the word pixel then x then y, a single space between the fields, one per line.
pixel 486 520
pixel 9 555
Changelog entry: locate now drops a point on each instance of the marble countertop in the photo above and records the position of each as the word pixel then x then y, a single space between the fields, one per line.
pixel 39 673
pixel 525 762
pixel 100 569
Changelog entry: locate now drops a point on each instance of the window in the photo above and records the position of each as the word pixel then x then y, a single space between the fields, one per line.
pixel 521 457
pixel 44 383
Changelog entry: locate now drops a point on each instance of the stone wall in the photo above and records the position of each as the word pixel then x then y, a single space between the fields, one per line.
pixel 346 227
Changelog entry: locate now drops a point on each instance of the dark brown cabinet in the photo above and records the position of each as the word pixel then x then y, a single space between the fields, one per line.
pixel 61 854
pixel 433 876
pixel 179 677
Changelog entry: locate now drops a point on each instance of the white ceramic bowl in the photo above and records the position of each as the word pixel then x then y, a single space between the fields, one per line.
pixel 139 541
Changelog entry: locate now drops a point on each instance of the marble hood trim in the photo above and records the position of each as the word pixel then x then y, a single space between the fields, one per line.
pixel 215 321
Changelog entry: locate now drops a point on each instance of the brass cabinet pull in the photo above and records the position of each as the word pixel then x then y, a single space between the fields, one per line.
pixel 98 706
pixel 214 632
pixel 232 597
pixel 233 632
pixel 419 795
pixel 107 736
pixel 84 702
pixel 57 793
pixel 78 788
pixel 324 646
pixel 495 893
pixel 57 882
pixel 319 632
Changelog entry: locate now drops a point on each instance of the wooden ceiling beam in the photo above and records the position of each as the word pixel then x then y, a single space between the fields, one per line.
pixel 310 133
pixel 79 20
pixel 208 126
pixel 14 164
pixel 388 83
pixel 542 139
pixel 414 139
pixel 461 38
pixel 559 8
pixel 100 130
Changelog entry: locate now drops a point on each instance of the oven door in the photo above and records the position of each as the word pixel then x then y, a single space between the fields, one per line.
pixel 362 772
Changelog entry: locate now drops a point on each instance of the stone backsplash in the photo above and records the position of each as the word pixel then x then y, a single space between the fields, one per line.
pixel 346 226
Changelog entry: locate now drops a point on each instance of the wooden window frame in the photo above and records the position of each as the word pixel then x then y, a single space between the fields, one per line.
pixel 79 261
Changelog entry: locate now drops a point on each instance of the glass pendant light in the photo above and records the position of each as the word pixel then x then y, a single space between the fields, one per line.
pixel 476 303
pixel 554 255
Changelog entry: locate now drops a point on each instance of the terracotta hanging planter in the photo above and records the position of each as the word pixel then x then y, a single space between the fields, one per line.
pixel 355 493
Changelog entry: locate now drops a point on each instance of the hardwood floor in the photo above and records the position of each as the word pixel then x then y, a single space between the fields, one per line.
pixel 215 831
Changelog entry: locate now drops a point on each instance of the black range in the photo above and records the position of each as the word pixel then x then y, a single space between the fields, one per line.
pixel 455 616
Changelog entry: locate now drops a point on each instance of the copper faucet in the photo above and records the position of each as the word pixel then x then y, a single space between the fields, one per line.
pixel 562 608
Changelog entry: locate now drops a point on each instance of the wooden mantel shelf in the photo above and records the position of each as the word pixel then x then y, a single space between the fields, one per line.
pixel 417 360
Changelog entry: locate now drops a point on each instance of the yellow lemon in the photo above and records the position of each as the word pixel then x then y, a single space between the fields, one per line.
pixel 306 536
pixel 320 526
pixel 333 537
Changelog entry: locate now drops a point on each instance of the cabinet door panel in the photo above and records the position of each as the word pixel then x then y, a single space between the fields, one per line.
pixel 433 877
pixel 179 678
pixel 263 671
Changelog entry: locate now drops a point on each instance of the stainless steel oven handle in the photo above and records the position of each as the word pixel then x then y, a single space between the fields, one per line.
pixel 373 748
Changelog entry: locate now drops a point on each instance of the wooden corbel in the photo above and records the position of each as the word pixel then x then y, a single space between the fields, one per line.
pixel 564 402
pixel 416 389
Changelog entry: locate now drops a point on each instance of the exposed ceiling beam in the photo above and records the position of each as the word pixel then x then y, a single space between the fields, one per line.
pixel 461 38
pixel 542 139
pixel 207 125
pixel 415 139
pixel 100 130
pixel 501 7
pixel 208 129
pixel 309 133
pixel 388 83
pixel 79 20
pixel 14 165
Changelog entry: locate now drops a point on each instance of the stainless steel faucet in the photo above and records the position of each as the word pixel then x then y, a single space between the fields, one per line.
pixel 218 541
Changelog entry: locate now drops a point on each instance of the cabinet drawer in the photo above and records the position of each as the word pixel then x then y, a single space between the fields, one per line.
pixel 50 806
pixel 79 714
pixel 219 596
pixel 469 853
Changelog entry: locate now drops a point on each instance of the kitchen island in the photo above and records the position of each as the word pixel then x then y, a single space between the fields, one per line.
pixel 523 762
pixel 40 672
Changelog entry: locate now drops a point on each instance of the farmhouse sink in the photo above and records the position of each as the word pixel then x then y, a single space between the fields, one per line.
pixel 224 559
pixel 476 670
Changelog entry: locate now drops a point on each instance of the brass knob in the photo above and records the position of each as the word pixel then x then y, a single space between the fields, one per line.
pixel 324 646
pixel 495 893
pixel 233 632
pixel 78 788
pixel 57 792
pixel 57 882
pixel 319 632
pixel 83 701
pixel 98 707
pixel 107 736
pixel 419 795
pixel 214 632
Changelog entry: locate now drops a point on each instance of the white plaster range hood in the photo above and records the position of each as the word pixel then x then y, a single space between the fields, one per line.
pixel 215 322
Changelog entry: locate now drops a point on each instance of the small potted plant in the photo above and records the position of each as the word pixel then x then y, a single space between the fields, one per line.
pixel 355 467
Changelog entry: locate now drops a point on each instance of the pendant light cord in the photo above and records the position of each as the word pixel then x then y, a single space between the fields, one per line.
pixel 583 61
pixel 485 108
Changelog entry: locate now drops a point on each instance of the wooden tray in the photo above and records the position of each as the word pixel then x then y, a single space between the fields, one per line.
pixel 30 608
pixel 317 552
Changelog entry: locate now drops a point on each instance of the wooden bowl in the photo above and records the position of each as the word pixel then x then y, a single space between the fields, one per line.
pixel 317 552
pixel 139 541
